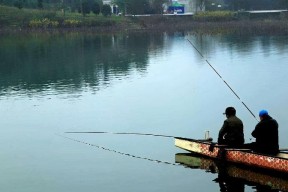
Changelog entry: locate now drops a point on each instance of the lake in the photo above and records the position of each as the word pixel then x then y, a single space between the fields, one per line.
pixel 141 83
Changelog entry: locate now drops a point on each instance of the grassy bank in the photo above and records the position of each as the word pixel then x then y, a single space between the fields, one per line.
pixel 14 19
pixel 11 17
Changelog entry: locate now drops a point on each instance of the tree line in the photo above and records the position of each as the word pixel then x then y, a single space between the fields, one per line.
pixel 81 6
pixel 236 5
pixel 87 6
pixel 143 6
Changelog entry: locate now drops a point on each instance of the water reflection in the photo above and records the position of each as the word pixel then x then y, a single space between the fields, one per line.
pixel 72 62
pixel 232 178
pixel 243 45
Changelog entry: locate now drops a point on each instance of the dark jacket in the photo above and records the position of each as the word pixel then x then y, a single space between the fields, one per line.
pixel 266 134
pixel 231 132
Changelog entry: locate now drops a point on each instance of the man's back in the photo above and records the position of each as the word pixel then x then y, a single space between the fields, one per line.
pixel 231 133
pixel 266 134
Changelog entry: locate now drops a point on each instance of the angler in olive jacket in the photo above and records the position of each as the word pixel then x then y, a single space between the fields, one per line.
pixel 266 134
pixel 231 133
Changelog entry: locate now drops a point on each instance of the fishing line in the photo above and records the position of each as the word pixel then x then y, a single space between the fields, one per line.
pixel 122 133
pixel 222 79
pixel 118 152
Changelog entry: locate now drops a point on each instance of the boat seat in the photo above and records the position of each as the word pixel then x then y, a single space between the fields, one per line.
pixel 236 149
pixel 282 155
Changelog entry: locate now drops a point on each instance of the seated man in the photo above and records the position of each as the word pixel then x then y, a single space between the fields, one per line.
pixel 231 132
pixel 266 134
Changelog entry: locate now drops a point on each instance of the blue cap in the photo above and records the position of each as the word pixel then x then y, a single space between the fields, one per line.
pixel 263 113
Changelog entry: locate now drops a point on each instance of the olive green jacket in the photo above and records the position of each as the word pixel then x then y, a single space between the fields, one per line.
pixel 231 132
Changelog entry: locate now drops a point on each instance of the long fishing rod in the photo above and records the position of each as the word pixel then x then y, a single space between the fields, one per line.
pixel 122 133
pixel 118 152
pixel 222 79
pixel 143 134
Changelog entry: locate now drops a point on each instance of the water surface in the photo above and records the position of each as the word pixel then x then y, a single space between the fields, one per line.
pixel 140 83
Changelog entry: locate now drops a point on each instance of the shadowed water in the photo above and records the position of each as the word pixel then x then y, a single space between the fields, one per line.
pixel 147 83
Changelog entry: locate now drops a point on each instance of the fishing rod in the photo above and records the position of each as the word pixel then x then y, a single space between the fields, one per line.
pixel 207 138
pixel 122 133
pixel 118 152
pixel 222 79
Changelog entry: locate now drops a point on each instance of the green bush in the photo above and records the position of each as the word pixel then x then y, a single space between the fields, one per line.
pixel 49 14
pixel 214 16
pixel 35 24
pixel 106 10
pixel 12 17
pixel 44 23
pixel 18 4
pixel 96 8
pixel 71 23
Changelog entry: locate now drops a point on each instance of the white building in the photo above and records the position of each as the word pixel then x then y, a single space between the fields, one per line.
pixel 192 6
pixel 107 2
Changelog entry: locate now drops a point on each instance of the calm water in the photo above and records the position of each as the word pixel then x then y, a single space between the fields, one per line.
pixel 140 83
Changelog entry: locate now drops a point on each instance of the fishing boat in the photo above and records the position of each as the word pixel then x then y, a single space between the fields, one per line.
pixel 236 176
pixel 278 163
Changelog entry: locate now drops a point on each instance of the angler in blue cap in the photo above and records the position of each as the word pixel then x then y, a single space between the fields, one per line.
pixel 266 134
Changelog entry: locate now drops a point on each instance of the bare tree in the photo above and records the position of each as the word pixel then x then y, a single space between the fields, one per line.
pixel 200 5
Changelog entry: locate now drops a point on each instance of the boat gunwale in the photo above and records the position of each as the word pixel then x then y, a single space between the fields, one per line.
pixel 227 148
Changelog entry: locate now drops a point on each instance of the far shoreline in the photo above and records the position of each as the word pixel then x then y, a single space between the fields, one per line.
pixel 249 27
pixel 164 23
pixel 23 21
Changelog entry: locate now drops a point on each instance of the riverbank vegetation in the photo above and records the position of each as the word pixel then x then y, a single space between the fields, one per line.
pixel 27 19
pixel 12 17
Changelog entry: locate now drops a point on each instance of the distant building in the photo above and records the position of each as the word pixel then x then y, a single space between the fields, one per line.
pixel 109 2
pixel 191 6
